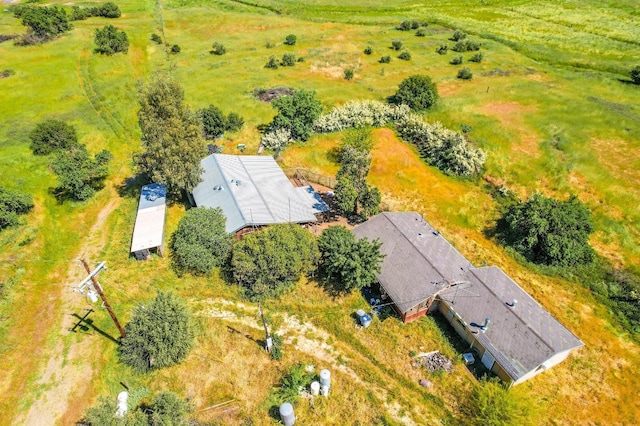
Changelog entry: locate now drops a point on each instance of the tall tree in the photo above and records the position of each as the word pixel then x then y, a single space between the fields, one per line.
pixel 417 91
pixel 79 175
pixel 44 22
pixel 297 113
pixel 159 335
pixel 171 136
pixel 352 264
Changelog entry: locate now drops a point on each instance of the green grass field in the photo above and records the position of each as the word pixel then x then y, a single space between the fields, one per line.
pixel 549 103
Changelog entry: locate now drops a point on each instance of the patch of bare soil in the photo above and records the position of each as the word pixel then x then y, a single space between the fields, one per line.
pixel 67 375
pixel 511 115
pixel 267 95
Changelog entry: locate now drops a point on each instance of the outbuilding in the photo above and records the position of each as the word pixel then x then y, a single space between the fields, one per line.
pixel 148 231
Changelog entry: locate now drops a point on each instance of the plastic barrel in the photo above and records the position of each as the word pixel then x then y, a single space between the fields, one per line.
pixel 287 415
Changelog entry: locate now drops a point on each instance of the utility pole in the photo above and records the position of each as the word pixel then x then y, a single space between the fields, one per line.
pixel 268 340
pixel 98 289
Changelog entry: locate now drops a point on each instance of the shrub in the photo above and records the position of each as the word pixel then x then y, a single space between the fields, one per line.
pixel 234 122
pixel 276 349
pixel 385 59
pixel 359 114
pixel 200 243
pixel 7 73
pixel 288 60
pixel 368 50
pixel 466 46
pixel 156 38
pixel 635 74
pixel 456 60
pixel 300 59
pixel 107 10
pixel 297 113
pixel 465 74
pixel 44 22
pixel 445 149
pixel 159 334
pixel 549 232
pixel 396 44
pixel 442 50
pixel 272 63
pixel 405 56
pixel 276 139
pixel 348 74
pixel 175 49
pixel 269 44
pixel 270 262
pixel 110 40
pixel 417 91
pixel 79 14
pixel 290 40
pixel 421 32
pixel 218 49
pixel 52 135
pixel 458 35
pixel 213 122
pixel 79 175
pixel 404 26
pixel 12 205
pixel 476 58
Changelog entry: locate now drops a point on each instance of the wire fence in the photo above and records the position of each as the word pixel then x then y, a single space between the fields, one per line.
pixel 302 174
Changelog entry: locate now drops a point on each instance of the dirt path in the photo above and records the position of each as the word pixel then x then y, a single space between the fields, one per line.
pixel 69 372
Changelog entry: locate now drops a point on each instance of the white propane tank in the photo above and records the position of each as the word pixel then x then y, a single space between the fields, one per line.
pixel 315 388
pixel 122 404
pixel 287 415
pixel 324 390
pixel 325 378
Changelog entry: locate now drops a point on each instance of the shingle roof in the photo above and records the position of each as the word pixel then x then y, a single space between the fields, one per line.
pixel 148 231
pixel 252 190
pixel 416 257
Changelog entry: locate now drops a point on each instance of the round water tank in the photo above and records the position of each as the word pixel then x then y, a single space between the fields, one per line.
pixel 315 388
pixel 325 378
pixel 324 390
pixel 287 415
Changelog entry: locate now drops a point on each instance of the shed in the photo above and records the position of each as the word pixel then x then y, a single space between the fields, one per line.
pixel 148 231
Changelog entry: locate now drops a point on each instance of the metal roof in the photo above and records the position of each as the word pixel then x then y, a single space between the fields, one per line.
pixel 418 261
pixel 520 336
pixel 252 190
pixel 148 231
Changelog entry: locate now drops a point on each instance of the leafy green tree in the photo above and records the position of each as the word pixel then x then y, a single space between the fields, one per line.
pixel 297 113
pixel 79 175
pixel 104 414
pixel 12 205
pixel 218 49
pixel 159 335
pixel 171 136
pixel 52 135
pixel 107 10
pixel 44 22
pixel 549 231
pixel 214 122
pixel 267 263
pixel 169 409
pixel 353 264
pixel 110 40
pixel 493 404
pixel 418 92
pixel 635 74
pixel 200 243
pixel 290 40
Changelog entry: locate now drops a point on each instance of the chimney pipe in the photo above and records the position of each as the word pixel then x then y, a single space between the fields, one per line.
pixel 514 303
pixel 486 324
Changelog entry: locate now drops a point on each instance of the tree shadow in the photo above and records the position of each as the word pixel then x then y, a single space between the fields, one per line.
pixel 85 324
pixel 259 342
pixel 627 81
pixel 130 187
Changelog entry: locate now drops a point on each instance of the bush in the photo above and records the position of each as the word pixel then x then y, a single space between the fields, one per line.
pixel 7 73
pixel 465 74
pixel 200 243
pixel 268 263
pixel 421 32
pixel 297 113
pixel 269 44
pixel 456 60
pixel 78 14
pixel 359 114
pixel 442 50
pixel 396 45
pixel 466 46
pixel 79 175
pixel 213 122
pixel 385 59
pixel 405 56
pixel 368 50
pixel 445 149
pixel 110 40
pixel 44 22
pixel 476 58
pixel 635 74
pixel 348 74
pixel 107 10
pixel 404 26
pixel 290 40
pixel 272 63
pixel 52 135
pixel 276 140
pixel 417 91
pixel 175 49
pixel 458 35
pixel 234 122
pixel 276 349
pixel 156 38
pixel 12 205
pixel 549 232
pixel 353 194
pixel 218 49
pixel 288 60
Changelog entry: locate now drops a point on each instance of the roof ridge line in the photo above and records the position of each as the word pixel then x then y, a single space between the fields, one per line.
pixel 239 157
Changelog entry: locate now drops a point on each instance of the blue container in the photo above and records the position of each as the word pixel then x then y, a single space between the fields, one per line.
pixel 364 318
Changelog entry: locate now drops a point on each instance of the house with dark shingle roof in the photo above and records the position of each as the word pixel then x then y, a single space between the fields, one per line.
pixel 514 335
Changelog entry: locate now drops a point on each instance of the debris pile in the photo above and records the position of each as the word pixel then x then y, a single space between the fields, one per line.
pixel 433 361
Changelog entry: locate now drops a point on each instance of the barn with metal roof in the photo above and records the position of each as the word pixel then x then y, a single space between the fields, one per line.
pixel 148 231
pixel 252 190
